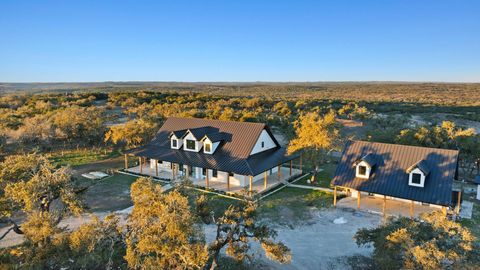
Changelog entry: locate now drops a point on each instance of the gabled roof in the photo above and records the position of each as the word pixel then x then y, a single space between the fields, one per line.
pixel 238 140
pixel 179 133
pixel 421 165
pixel 391 178
pixel 216 137
pixel 370 159
pixel 200 132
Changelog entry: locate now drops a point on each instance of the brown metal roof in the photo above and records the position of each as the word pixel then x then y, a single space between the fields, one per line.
pixel 232 155
pixel 390 177
pixel 243 135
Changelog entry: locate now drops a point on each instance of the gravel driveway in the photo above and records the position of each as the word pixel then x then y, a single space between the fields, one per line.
pixel 320 244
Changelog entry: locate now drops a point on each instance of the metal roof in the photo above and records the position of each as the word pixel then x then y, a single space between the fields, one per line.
pixel 216 137
pixel 233 155
pixel 200 132
pixel 179 133
pixel 370 159
pixel 390 176
pixel 421 165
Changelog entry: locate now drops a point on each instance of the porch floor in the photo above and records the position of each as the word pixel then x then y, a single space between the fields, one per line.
pixel 257 186
pixel 164 174
pixel 393 207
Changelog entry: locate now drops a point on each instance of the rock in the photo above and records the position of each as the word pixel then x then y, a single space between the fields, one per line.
pixel 340 220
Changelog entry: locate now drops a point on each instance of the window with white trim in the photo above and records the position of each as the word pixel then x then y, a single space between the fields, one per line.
pixel 363 170
pixel 416 178
pixel 191 145
pixel 207 147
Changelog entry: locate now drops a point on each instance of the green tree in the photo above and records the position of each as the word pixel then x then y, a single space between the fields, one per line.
pixel 99 244
pixel 430 242
pixel 33 186
pixel 162 232
pixel 133 133
pixel 235 228
pixel 316 136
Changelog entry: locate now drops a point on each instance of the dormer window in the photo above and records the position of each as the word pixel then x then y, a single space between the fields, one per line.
pixel 174 143
pixel 207 148
pixel 363 170
pixel 191 145
pixel 364 166
pixel 417 174
pixel 416 178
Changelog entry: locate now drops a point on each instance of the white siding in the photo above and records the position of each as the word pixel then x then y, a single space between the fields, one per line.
pixel 268 143
pixel 198 145
pixel 179 142
pixel 369 169
pixel 213 146
pixel 422 178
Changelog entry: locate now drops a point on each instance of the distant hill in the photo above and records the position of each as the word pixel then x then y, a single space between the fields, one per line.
pixel 459 94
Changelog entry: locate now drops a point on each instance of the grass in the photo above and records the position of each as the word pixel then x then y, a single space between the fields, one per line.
pixel 291 206
pixel 474 223
pixel 110 194
pixel 322 178
pixel 218 203
pixel 80 157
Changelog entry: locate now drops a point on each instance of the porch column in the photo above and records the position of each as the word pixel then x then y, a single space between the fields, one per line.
pixel 335 196
pixel 279 172
pixel 251 181
pixel 228 182
pixel 187 172
pixel 173 171
pixel 358 199
pixel 265 179
pixel 206 179
pixel 411 209
pixel 156 167
pixel 291 165
pixel 384 204
pixel 126 162
pixel 459 201
pixel 141 164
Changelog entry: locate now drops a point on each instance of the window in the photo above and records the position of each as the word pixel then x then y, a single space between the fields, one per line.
pixel 416 178
pixel 362 170
pixel 263 144
pixel 208 147
pixel 174 143
pixel 214 173
pixel 204 171
pixel 230 174
pixel 191 145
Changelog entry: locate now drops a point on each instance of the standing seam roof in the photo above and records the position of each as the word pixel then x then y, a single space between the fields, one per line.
pixel 390 176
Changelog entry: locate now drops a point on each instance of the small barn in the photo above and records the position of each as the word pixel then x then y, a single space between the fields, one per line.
pixel 415 175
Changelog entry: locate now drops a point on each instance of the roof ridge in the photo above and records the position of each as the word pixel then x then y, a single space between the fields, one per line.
pixel 217 120
pixel 399 145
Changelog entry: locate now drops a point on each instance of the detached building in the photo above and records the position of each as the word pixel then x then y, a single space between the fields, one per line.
pixel 417 175
pixel 223 155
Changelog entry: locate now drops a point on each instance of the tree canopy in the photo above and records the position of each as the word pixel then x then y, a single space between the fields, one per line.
pixel 429 242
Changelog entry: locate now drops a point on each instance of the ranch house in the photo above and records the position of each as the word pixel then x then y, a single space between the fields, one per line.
pixel 222 155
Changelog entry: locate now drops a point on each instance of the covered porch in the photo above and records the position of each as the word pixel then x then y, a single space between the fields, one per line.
pixel 384 205
pixel 212 179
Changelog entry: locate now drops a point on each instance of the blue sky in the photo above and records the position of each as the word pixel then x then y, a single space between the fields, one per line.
pixel 72 41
